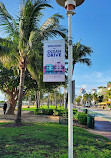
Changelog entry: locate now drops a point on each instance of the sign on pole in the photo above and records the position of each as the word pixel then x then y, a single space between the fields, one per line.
pixel 54 61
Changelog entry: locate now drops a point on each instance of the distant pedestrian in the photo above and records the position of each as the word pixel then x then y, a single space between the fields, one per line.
pixel 5 107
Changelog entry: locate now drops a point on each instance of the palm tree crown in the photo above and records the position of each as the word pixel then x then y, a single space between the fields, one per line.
pixel 80 53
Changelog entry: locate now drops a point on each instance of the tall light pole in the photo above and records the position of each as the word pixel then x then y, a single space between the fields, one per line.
pixel 70 6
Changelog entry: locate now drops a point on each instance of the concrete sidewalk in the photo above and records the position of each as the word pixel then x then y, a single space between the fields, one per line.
pixel 102 127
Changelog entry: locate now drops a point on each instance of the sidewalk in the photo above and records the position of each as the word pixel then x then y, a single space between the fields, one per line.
pixel 102 127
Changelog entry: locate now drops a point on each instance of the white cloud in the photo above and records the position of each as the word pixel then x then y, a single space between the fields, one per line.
pixel 93 74
pixel 84 86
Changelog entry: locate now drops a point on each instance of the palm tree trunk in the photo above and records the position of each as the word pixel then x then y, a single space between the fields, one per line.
pixel 48 100
pixel 39 99
pixel 64 98
pixel 21 87
pixel 36 96
pixel 29 100
pixel 42 98
pixel 60 100
pixel 55 99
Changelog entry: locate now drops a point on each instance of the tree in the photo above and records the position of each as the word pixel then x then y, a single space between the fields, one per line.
pixel 80 53
pixel 108 94
pixel 27 34
pixel 95 97
pixel 87 98
pixel 78 100
pixel 9 85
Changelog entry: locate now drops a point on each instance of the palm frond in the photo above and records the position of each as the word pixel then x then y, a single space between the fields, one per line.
pixel 86 61
pixel 7 22
pixel 9 54
pixel 30 16
pixel 51 27
pixel 35 65
pixel 53 20
pixel 35 40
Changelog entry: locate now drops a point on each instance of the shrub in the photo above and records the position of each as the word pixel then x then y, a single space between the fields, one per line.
pixel 47 111
pixel 65 113
pixel 57 112
pixel 75 111
pixel 82 118
pixel 50 111
pixel 43 112
pixel 38 112
pixel 75 116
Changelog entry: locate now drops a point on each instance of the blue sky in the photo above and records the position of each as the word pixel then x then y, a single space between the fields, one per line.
pixel 91 25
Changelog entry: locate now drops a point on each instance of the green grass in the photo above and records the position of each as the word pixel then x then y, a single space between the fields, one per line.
pixel 50 141
pixel 43 107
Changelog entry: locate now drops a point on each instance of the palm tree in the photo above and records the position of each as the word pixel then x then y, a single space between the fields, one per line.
pixel 27 34
pixel 108 94
pixel 79 54
pixel 87 98
pixel 95 98
pixel 78 100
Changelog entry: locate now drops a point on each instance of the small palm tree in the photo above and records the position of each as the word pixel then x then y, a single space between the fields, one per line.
pixel 95 98
pixel 87 98
pixel 78 100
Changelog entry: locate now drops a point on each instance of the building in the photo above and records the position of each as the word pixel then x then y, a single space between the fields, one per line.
pixel 93 91
pixel 101 91
pixel 109 86
pixel 82 92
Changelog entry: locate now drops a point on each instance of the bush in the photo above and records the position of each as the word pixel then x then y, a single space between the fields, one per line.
pixel 38 112
pixel 82 118
pixel 75 111
pixel 65 113
pixel 75 116
pixel 57 112
pixel 43 112
pixel 47 111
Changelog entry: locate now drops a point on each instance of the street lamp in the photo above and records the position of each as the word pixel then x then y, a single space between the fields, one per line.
pixel 70 6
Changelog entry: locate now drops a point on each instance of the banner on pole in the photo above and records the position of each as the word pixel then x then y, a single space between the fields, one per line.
pixel 54 61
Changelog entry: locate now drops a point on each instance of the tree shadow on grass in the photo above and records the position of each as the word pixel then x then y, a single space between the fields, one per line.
pixel 16 126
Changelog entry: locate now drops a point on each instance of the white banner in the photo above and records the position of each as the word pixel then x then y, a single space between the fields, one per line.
pixel 54 61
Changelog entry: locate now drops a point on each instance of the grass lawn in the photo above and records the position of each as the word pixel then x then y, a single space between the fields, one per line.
pixel 43 107
pixel 50 140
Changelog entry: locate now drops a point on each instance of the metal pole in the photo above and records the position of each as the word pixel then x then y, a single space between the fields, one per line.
pixel 70 108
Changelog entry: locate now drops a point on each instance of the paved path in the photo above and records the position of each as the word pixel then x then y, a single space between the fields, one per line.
pixel 102 122
pixel 102 127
